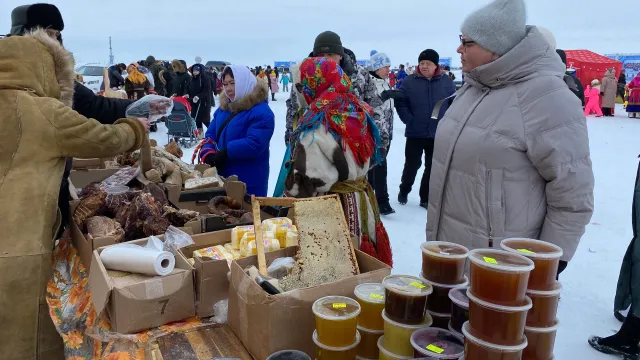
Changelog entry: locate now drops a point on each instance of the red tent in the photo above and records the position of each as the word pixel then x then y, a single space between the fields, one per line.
pixel 590 65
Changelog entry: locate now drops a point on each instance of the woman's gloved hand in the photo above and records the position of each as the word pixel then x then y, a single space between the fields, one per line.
pixel 217 160
pixel 195 99
pixel 391 94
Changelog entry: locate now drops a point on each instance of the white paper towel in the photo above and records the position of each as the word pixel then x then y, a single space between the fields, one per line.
pixel 148 260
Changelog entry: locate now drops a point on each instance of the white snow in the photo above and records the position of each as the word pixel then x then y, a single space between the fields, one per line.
pixel 586 306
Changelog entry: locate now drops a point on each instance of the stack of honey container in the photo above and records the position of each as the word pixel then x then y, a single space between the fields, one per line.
pixel 544 291
pixel 370 296
pixel 404 313
pixel 498 305
pixel 443 267
pixel 336 335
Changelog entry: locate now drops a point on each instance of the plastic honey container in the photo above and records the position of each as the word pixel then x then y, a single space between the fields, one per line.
pixel 477 349
pixel 397 336
pixel 371 299
pixel 545 257
pixel 541 342
pixel 336 320
pixel 439 300
pixel 368 348
pixel 459 308
pixel 499 277
pixel 497 324
pixel 289 355
pixel 406 298
pixel 443 262
pixel 325 352
pixel 388 355
pixel 434 343
pixel 440 321
pixel 545 307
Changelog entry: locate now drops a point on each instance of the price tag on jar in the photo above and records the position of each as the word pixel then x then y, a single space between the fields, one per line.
pixel 490 260
pixel 417 285
pixel 376 296
pixel 435 349
pixel 339 306
pixel 526 251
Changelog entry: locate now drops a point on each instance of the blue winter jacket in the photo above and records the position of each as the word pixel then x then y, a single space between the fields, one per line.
pixel 400 77
pixel 420 97
pixel 246 138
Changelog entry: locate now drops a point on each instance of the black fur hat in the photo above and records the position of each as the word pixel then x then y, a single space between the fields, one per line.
pixel 27 17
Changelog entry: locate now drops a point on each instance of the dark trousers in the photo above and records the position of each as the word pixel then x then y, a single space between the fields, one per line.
pixel 413 161
pixel 606 111
pixel 378 179
pixel 561 268
pixel 201 115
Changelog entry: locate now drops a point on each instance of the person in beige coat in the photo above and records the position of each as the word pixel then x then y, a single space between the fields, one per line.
pixel 38 131
pixel 608 92
pixel 511 154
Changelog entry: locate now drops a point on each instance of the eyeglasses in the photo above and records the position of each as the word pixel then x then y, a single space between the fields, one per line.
pixel 466 42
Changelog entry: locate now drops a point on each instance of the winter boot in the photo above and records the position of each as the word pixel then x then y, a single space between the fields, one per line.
pixel 625 343
pixel 386 209
pixel 273 97
pixel 403 198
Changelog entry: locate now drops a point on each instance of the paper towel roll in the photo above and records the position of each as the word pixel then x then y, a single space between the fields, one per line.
pixel 138 259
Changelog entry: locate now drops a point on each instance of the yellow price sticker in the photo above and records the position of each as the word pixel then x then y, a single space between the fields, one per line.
pixel 490 260
pixel 339 306
pixel 435 349
pixel 376 296
pixel 526 251
pixel 417 285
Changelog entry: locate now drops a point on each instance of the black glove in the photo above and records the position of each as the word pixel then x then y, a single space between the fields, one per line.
pixel 217 160
pixel 391 94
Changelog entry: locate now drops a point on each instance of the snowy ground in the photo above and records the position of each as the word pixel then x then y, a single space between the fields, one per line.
pixel 590 280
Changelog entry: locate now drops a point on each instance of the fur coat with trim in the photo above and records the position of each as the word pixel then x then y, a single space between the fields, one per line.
pixel 38 130
pixel 245 139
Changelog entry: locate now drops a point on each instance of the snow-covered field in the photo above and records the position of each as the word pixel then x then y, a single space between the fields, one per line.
pixel 586 307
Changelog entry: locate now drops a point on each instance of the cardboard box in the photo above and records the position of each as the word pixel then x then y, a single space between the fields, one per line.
pixel 93 163
pixel 79 179
pixel 212 283
pixel 269 323
pixel 136 302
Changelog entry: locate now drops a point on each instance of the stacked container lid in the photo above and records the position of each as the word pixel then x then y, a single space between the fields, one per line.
pixel 544 291
pixel 498 305
pixel 336 334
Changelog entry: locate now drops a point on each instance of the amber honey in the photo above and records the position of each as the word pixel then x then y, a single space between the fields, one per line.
pixel 443 262
pixel 499 277
pixel 371 298
pixel 477 349
pixel 397 336
pixel 545 307
pixel 368 347
pixel 325 352
pixel 388 355
pixel 545 256
pixel 541 342
pixel 496 324
pixel 336 320
pixel 406 298
pixel 439 301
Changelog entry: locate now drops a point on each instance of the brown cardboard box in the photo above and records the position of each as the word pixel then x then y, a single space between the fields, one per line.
pixel 79 179
pixel 138 302
pixel 269 323
pixel 212 283
pixel 197 200
pixel 93 163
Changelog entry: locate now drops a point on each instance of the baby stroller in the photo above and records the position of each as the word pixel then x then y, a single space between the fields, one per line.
pixel 180 125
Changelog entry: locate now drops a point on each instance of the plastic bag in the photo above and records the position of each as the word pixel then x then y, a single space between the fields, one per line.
pixel 152 107
pixel 221 311
pixel 175 239
pixel 281 267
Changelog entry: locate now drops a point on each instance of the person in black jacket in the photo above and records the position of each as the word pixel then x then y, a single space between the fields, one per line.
pixel 115 75
pixel 199 95
pixel 574 84
pixel 181 79
pixel 107 111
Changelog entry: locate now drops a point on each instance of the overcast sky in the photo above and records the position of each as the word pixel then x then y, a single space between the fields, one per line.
pixel 253 32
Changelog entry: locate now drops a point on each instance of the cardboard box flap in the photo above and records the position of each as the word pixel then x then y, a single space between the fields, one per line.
pixel 142 287
pixel 100 286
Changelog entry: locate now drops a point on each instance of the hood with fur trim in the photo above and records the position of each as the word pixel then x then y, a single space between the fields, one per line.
pixel 259 94
pixel 178 66
pixel 37 63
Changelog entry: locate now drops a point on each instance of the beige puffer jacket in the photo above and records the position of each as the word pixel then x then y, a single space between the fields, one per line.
pixel 512 155
pixel 609 89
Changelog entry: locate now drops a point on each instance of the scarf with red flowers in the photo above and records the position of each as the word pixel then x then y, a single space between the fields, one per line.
pixel 328 91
